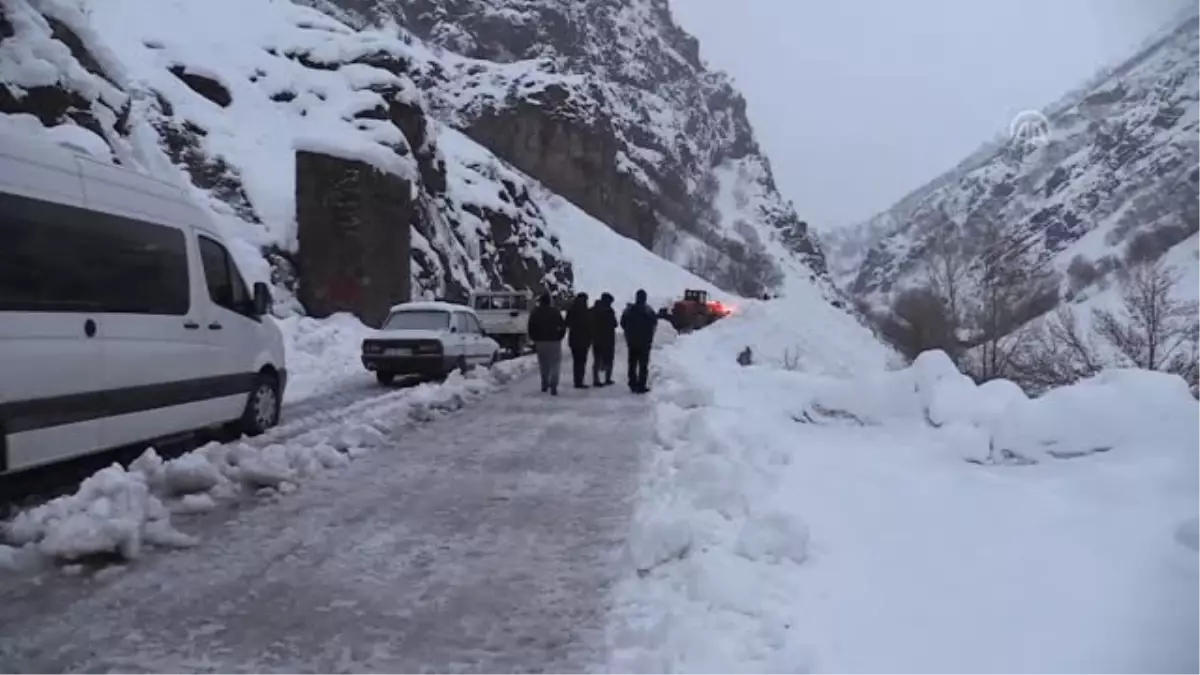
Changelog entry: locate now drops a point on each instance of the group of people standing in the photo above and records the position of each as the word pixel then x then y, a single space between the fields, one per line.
pixel 593 329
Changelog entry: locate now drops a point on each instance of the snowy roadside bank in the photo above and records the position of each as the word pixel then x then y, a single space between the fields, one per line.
pixel 323 355
pixel 118 511
pixel 908 521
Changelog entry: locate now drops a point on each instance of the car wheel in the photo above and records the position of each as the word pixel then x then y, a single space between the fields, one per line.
pixel 262 406
pixel 385 378
pixel 461 365
pixel 495 358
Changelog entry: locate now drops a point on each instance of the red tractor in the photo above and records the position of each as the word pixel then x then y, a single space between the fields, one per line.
pixel 696 311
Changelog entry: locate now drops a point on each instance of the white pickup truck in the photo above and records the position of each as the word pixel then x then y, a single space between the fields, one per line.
pixel 504 316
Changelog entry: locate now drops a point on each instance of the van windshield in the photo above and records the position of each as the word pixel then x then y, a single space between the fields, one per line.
pixel 519 302
pixel 418 320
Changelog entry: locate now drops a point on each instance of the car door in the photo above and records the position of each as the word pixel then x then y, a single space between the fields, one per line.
pixel 51 388
pixel 230 325
pixel 480 344
pixel 459 338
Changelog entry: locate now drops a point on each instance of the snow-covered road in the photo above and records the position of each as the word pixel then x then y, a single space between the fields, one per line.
pixel 483 541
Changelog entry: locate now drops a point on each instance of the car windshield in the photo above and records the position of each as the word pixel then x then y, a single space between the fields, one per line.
pixel 418 320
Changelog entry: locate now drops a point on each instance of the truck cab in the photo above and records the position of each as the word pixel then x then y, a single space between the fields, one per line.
pixel 504 316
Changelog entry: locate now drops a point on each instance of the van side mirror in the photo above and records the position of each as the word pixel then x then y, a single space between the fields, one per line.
pixel 262 299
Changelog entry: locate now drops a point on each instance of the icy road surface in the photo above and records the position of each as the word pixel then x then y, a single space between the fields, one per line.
pixel 483 541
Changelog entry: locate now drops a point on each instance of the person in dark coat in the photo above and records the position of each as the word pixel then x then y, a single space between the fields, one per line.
pixel 604 340
pixel 546 331
pixel 579 338
pixel 639 322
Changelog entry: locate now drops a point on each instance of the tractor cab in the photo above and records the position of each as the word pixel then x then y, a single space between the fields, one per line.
pixel 696 311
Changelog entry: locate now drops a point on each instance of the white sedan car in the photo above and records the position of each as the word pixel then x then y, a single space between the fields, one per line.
pixel 431 339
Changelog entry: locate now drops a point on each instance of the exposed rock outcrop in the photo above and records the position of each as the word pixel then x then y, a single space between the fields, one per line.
pixel 353 225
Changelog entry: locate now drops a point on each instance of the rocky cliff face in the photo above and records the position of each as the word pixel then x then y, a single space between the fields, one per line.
pixel 1115 178
pixel 607 103
pixel 463 104
pixel 176 89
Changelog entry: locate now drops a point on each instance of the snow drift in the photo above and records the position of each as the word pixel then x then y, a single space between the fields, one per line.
pixel 810 520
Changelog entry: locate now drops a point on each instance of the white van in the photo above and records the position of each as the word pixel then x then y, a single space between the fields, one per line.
pixel 123 318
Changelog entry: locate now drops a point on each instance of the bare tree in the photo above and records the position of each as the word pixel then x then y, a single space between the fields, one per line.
pixel 1152 329
pixel 947 272
pixel 1014 286
pixel 948 266
pixel 1055 354
pixel 919 321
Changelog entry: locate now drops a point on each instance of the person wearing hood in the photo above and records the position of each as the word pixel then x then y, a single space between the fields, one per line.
pixel 604 340
pixel 639 322
pixel 579 338
pixel 546 331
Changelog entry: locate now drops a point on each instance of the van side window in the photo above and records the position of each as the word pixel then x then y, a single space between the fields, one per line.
pixel 60 258
pixel 225 284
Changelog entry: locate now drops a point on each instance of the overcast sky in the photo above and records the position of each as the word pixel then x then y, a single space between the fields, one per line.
pixel 857 102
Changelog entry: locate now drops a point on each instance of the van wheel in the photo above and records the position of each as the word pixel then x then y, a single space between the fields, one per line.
pixel 385 378
pixel 262 407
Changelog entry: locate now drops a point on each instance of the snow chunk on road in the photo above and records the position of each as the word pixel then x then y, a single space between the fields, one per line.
pixel 190 474
pixel 112 513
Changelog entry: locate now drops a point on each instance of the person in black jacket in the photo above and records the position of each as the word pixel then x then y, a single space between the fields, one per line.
pixel 546 331
pixel 639 322
pixel 604 340
pixel 579 323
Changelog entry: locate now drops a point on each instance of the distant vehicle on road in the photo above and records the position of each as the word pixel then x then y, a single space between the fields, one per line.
pixel 504 316
pixel 430 339
pixel 123 317
pixel 696 311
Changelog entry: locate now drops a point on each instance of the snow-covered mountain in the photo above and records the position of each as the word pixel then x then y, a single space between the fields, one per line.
pixel 311 131
pixel 1116 177
pixel 608 103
